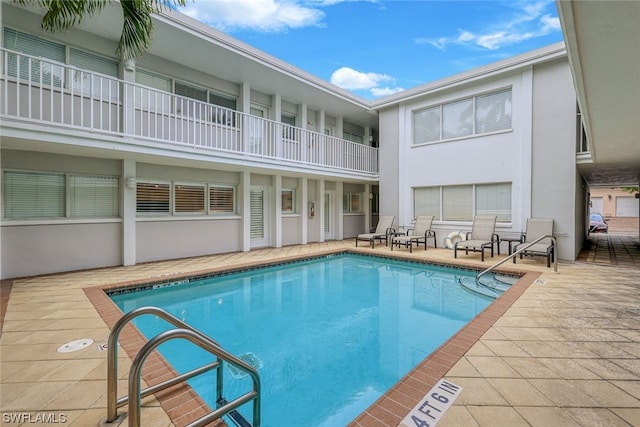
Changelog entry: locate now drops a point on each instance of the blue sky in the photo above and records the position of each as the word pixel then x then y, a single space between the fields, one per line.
pixel 378 47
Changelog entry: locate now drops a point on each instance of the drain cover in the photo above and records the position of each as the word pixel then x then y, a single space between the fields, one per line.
pixel 76 345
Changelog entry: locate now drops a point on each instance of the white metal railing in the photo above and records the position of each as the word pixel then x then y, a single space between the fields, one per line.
pixel 42 91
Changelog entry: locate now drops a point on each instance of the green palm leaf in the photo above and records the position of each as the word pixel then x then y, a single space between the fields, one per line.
pixel 137 29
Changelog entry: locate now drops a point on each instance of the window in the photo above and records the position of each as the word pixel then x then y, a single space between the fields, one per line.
pixel 350 136
pixel 94 196
pixel 426 125
pixel 189 198
pixel 152 99
pixel 463 202
pixel 225 115
pixel 493 112
pixel 352 202
pixel 457 119
pixel 30 195
pixel 38 71
pixel 88 83
pixel 153 198
pixel 427 201
pixel 288 201
pixel 288 130
pixel 472 116
pixel 188 107
pixel 222 200
pixel 494 199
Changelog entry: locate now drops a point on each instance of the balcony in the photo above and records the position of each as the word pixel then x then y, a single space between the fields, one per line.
pixel 38 91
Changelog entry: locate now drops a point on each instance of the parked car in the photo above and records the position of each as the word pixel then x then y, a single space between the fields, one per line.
pixel 597 223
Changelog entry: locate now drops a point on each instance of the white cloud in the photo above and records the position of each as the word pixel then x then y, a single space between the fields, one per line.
pixel 528 23
pixel 259 15
pixel 350 79
pixel 384 91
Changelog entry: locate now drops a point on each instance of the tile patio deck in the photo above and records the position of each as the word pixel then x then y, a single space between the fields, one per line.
pixel 564 350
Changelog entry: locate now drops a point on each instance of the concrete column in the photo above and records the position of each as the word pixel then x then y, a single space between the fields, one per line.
pixel 339 208
pixel 127 71
pixel 245 210
pixel 128 212
pixel 320 209
pixel 304 209
pixel 278 210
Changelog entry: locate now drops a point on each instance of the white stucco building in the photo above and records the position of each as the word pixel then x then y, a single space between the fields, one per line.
pixel 207 145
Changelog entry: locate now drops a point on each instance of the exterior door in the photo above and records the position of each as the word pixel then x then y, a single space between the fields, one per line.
pixel 259 230
pixel 256 130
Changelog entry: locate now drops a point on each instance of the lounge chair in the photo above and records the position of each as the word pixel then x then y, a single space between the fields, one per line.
pixel 420 232
pixel 536 228
pixel 383 229
pixel 481 237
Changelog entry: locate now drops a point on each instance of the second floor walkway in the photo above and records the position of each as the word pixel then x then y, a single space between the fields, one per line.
pixel 41 92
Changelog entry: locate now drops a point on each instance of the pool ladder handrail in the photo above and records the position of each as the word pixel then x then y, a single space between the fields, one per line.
pixel 184 331
pixel 518 252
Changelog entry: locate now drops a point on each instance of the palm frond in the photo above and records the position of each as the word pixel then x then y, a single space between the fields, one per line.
pixel 137 29
pixel 138 26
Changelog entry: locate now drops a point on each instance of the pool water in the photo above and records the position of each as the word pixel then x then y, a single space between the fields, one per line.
pixel 329 335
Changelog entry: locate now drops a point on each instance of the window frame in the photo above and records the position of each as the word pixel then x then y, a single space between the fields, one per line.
pixel 348 198
pixel 474 118
pixel 473 188
pixel 178 199
pixel 294 204
pixel 234 193
pixel 67 197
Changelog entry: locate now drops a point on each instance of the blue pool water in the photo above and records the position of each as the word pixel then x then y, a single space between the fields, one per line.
pixel 332 334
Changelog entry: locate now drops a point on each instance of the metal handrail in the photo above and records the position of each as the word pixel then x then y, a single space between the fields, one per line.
pixel 113 403
pixel 212 347
pixel 518 252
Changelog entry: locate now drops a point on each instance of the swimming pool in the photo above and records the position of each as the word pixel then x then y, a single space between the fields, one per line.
pixel 329 335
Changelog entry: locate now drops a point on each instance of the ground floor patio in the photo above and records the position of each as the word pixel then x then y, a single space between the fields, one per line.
pixel 562 350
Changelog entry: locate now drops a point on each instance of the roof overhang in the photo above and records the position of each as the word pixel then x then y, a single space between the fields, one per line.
pixel 602 39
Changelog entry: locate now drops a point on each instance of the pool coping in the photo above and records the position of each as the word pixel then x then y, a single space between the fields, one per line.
pixel 183 405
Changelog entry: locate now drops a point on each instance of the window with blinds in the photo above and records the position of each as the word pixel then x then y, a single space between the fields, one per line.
pixel 35 70
pixel 31 195
pixel 288 131
pixel 288 201
pixel 472 116
pixel 150 99
pixel 153 198
pixel 426 201
pixel 457 203
pixel 93 196
pixel 352 202
pixel 189 199
pixel 187 106
pixel 225 115
pixel 494 199
pixel 426 125
pixel 463 202
pixel 222 200
pixel 88 83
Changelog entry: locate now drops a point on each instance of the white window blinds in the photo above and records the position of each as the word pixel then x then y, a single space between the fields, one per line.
pixel 222 200
pixel 189 198
pixel 93 196
pixel 33 195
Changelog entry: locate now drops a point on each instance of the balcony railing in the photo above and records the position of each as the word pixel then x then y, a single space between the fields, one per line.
pixel 41 91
